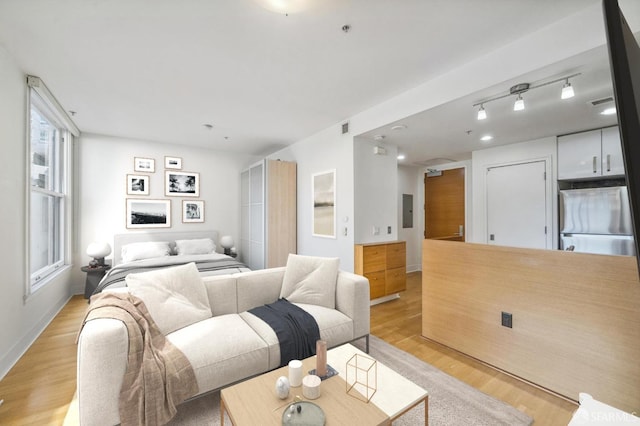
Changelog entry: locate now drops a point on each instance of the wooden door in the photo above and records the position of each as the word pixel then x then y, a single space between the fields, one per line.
pixel 444 205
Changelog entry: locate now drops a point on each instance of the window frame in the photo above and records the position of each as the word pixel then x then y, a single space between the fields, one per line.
pixel 40 98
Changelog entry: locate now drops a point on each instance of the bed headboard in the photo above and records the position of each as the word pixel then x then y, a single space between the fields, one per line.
pixel 120 240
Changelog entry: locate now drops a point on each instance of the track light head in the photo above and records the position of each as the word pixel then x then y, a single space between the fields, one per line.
pixel 519 104
pixel 482 114
pixel 567 91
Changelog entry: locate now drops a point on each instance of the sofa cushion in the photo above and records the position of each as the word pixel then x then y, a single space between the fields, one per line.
pixel 311 280
pixel 221 350
pixel 175 297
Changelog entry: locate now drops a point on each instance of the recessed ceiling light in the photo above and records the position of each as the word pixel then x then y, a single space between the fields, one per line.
pixel 401 157
pixel 399 127
pixel 609 111
pixel 486 138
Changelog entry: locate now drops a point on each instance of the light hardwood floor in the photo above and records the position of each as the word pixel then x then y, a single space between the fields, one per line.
pixel 37 391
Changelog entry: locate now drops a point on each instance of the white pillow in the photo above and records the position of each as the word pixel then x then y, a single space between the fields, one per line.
pixel 198 246
pixel 311 280
pixel 175 297
pixel 147 250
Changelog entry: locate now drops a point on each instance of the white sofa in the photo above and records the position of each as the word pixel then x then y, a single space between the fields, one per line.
pixel 228 347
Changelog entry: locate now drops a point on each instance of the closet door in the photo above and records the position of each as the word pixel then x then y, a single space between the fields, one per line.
pixel 256 193
pixel 517 205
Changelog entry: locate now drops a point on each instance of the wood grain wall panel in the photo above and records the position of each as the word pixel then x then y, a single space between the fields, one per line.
pixel 281 212
pixel 576 317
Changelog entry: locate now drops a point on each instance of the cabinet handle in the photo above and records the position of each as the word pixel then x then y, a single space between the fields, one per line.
pixel 608 162
pixel 594 164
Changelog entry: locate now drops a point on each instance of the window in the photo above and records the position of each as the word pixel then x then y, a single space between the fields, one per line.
pixel 49 182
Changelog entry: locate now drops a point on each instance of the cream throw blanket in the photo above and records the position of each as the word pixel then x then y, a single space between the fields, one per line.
pixel 158 375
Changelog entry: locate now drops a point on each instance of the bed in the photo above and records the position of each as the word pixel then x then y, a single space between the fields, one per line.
pixel 141 252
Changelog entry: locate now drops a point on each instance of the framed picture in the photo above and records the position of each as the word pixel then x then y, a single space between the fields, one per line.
pixel 137 184
pixel 173 163
pixel 147 165
pixel 182 184
pixel 324 204
pixel 192 211
pixel 143 213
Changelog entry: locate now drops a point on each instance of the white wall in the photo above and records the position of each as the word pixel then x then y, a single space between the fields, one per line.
pixel 104 163
pixel 22 321
pixel 375 191
pixel 410 182
pixel 540 149
pixel 326 150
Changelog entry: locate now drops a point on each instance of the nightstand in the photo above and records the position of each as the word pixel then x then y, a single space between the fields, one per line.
pixel 94 275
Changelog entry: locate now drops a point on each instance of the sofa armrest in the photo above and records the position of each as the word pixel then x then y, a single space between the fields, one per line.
pixel 352 299
pixel 102 360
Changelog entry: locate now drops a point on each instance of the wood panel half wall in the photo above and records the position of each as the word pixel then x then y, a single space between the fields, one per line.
pixel 576 317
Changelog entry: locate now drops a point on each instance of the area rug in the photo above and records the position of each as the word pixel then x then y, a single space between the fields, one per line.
pixel 451 401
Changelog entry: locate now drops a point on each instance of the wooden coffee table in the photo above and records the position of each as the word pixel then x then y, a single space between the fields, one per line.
pixel 254 401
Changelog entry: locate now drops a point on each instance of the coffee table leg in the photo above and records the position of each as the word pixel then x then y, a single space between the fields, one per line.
pixel 221 411
pixel 426 411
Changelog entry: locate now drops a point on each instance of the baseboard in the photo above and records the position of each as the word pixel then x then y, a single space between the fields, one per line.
pixel 21 346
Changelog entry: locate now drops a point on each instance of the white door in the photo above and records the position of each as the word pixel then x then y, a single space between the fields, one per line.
pixel 517 205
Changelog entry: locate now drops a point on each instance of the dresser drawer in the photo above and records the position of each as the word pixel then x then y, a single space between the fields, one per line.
pixel 396 255
pixel 395 280
pixel 377 285
pixel 374 258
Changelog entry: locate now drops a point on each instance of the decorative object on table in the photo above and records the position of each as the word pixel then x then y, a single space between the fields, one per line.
pixel 303 413
pixel 321 358
pixel 324 204
pixel 282 387
pixel 311 386
pixel 174 163
pixel 330 373
pixel 147 165
pixel 295 373
pixel 192 211
pixel 137 184
pixel 148 213
pixel 181 184
pixel 226 241
pixel 362 377
pixel 98 251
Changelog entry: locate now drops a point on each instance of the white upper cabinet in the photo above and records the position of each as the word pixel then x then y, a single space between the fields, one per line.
pixel 612 162
pixel 591 154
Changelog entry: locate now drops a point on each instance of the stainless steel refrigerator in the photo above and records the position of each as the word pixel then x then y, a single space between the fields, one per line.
pixel 596 220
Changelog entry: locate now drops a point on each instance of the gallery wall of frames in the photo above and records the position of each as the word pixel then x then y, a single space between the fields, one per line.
pixel 181 186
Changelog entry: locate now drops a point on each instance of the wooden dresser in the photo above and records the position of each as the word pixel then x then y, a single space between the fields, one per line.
pixel 385 266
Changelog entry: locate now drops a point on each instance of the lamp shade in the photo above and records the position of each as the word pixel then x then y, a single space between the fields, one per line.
pixel 98 250
pixel 226 241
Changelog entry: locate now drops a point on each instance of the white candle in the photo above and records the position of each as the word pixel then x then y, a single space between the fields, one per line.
pixel 311 386
pixel 295 373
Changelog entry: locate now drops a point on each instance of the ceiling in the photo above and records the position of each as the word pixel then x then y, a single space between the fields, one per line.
pixel 159 70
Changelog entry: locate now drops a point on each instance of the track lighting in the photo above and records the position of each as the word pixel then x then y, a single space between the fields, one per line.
pixel 519 104
pixel 518 89
pixel 567 91
pixel 482 114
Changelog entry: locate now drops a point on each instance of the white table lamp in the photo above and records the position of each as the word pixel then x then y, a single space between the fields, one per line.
pixel 226 242
pixel 98 251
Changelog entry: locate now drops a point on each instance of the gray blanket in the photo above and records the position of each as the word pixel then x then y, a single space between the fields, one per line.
pixel 116 276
